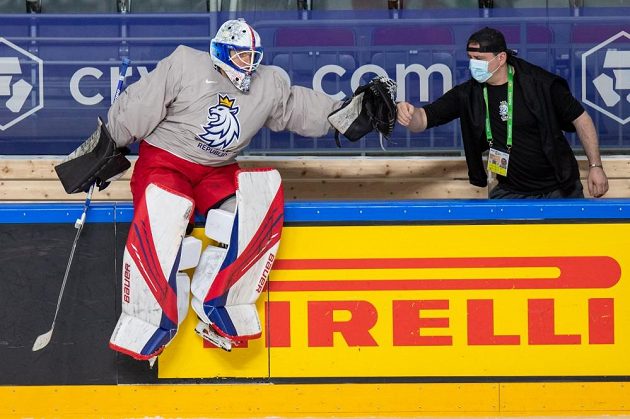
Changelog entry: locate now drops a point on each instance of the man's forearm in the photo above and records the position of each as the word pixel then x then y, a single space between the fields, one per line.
pixel 588 137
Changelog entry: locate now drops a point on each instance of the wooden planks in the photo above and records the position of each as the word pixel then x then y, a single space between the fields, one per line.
pixel 34 179
pixel 51 190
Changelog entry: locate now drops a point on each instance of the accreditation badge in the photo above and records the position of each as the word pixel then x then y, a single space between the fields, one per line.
pixel 498 161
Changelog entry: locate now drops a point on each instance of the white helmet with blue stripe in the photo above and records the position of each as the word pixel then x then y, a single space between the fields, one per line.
pixel 236 50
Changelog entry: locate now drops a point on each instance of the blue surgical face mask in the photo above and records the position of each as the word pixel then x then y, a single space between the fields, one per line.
pixel 479 69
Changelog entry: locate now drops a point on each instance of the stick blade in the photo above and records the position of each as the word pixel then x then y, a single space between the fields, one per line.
pixel 42 341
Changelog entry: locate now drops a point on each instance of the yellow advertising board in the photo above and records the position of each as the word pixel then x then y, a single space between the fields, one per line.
pixel 435 301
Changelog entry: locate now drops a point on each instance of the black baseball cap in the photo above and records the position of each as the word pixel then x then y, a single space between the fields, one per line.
pixel 489 40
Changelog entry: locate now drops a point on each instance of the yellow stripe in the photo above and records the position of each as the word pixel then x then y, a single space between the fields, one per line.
pixel 438 274
pixel 314 400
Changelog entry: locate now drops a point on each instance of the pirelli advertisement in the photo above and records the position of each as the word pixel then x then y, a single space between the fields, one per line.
pixel 400 291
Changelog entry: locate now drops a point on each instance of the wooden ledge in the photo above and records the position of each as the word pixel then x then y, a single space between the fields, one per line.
pixel 306 178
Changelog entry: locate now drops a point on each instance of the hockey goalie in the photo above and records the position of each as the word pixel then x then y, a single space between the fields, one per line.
pixel 192 116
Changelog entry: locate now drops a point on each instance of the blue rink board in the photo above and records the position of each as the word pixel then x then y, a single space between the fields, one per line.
pixel 357 212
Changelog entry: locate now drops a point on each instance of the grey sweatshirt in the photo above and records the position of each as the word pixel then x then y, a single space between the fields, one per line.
pixel 188 108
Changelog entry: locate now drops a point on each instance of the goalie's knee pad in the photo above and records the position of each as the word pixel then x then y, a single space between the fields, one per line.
pixel 230 278
pixel 190 253
pixel 152 292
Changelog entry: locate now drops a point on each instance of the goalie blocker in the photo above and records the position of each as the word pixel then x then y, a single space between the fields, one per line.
pixel 98 160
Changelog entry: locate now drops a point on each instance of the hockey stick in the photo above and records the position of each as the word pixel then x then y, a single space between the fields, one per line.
pixel 44 339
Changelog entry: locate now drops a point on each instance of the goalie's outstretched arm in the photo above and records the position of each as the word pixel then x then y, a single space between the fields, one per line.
pixel 299 109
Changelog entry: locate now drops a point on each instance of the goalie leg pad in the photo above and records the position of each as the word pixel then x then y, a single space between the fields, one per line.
pixel 183 296
pixel 206 272
pixel 150 313
pixel 228 282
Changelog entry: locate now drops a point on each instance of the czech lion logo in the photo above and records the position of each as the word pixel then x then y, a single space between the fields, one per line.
pixel 222 127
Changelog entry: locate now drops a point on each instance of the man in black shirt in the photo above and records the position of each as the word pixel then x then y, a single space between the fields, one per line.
pixel 517 111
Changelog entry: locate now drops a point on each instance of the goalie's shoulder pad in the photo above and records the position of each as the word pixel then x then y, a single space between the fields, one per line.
pixel 372 106
pixel 98 160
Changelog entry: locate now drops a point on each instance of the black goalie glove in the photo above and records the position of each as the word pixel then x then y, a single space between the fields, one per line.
pixel 98 160
pixel 372 106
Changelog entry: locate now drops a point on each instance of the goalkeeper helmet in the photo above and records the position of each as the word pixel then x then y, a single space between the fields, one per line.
pixel 236 50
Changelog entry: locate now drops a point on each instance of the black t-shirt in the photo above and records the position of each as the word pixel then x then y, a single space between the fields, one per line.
pixel 529 170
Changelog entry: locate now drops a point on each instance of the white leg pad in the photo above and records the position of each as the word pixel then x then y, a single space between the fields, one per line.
pixel 226 289
pixel 245 319
pixel 209 264
pixel 134 333
pixel 183 296
pixel 150 314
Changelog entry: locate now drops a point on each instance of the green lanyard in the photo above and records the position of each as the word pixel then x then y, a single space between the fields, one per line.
pixel 510 98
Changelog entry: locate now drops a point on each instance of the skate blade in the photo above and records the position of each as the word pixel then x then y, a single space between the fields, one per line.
pixel 217 340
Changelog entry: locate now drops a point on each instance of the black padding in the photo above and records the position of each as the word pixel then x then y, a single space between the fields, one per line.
pixel 103 162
